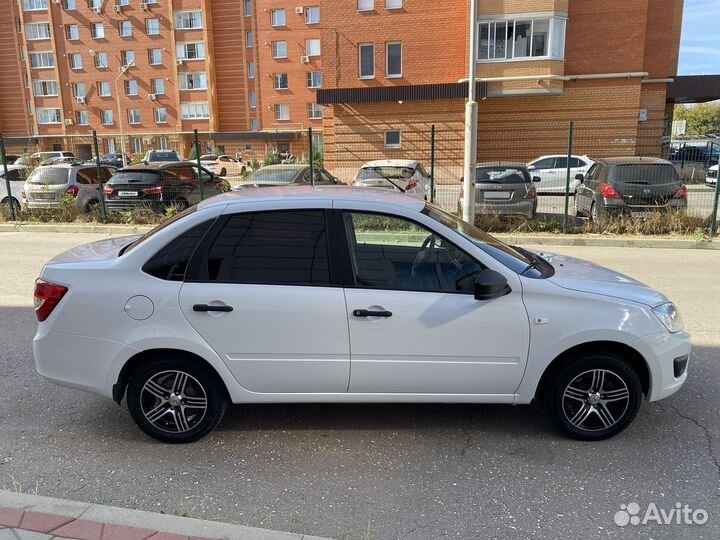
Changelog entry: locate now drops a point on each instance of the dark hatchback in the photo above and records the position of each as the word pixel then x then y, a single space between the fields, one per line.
pixel 630 185
pixel 160 185
pixel 286 175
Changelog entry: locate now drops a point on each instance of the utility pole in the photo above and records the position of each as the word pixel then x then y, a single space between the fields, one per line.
pixel 471 119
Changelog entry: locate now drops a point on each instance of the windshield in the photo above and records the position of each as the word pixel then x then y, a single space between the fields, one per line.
pixel 128 248
pixel 499 251
pixel 501 175
pixel 51 176
pixel 645 174
pixel 135 177
pixel 399 173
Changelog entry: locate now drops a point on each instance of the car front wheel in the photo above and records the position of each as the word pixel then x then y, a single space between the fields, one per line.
pixel 593 397
pixel 175 400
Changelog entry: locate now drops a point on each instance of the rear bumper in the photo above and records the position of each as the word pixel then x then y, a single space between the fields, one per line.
pixel 526 208
pixel 616 206
pixel 125 205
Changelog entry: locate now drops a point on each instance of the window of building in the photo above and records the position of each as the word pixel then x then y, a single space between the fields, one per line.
pixel 393 139
pixel 69 5
pixel 249 40
pixel 26 80
pixel 248 8
pixel 34 5
pixel 137 146
pixel 72 32
pixel 312 15
pixel 126 57
pixel 277 17
pixel 101 60
pixel 29 108
pixel 95 4
pixel 279 49
pixel 22 53
pixel 191 51
pixel 48 116
pixel 393 4
pixel 164 143
pixel 282 111
pixel 134 116
pixel 125 28
pixel 251 70
pixel 194 111
pixel 152 27
pixel 299 253
pixel 314 79
pixel 18 25
pixel 82 118
pixel 394 60
pixel 193 81
pixel 157 86
pixel 103 89
pixel 122 2
pixel 521 39
pixel 366 5
pixel 188 20
pixel 281 81
pixel 98 30
pixel 35 31
pixel 254 126
pixel 75 60
pixel 78 89
pixel 248 147
pixel 110 146
pixel 253 100
pixel 131 87
pixel 41 60
pixel 367 60
pixel 155 57
pixel 315 111
pixel 312 47
pixel 45 88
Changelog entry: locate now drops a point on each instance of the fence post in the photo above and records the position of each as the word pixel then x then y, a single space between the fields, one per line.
pixel 567 178
pixel 432 163
pixel 103 210
pixel 197 157
pixel 3 156
pixel 312 167
pixel 713 223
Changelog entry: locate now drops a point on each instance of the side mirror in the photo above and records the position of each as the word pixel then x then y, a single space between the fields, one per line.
pixel 490 284
pixel 580 177
pixel 536 179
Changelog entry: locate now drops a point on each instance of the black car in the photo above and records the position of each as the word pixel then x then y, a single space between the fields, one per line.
pixel 286 175
pixel 115 160
pixel 630 185
pixel 704 154
pixel 160 185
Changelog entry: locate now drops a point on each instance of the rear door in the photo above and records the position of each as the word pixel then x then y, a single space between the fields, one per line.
pixel 263 293
pixel 545 169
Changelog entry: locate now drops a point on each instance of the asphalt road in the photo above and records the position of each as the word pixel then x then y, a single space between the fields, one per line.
pixel 382 471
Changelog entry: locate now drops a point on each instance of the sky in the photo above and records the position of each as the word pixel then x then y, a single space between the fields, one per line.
pixel 700 41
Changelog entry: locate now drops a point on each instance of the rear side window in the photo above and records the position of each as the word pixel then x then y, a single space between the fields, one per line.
pixel 279 248
pixel 171 261
pixel 645 174
pixel 135 177
pixel 576 162
pixel 49 176
pixel 87 176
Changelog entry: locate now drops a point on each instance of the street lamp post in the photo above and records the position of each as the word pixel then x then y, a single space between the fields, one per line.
pixel 471 124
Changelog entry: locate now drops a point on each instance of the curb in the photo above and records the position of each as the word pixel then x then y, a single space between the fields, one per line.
pixel 122 517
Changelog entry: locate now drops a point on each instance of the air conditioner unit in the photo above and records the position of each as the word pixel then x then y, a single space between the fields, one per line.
pixel 117 8
pixel 144 6
pixel 305 59
pixel 80 99
pixel 97 10
pixel 152 97
pixel 68 122
pixel 299 10
pixel 180 61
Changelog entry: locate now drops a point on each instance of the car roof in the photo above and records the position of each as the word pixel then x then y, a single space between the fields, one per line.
pixel 585 156
pixel 633 161
pixel 391 163
pixel 158 165
pixel 500 164
pixel 319 193
pixel 286 167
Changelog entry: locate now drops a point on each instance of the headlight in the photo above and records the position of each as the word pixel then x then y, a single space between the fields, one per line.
pixel 669 316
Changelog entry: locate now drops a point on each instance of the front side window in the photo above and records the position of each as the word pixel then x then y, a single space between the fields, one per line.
pixel 367 61
pixel 545 163
pixel 275 248
pixel 522 39
pixel 389 252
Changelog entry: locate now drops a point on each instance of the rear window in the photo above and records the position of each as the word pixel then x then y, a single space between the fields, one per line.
pixel 135 177
pixel 163 156
pixel 645 173
pixel 501 175
pixel 398 173
pixel 52 176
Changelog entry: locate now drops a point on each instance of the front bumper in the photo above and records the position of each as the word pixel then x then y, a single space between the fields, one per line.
pixel 664 349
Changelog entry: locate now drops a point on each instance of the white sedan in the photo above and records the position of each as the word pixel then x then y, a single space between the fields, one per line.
pixel 552 171
pixel 345 295
pixel 712 177
pixel 223 165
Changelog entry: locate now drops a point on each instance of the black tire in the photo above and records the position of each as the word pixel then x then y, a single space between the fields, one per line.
pixel 604 410
pixel 91 205
pixel 160 377
pixel 10 202
pixel 595 213
pixel 223 172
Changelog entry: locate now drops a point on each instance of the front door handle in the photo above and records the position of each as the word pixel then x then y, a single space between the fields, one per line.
pixel 206 307
pixel 368 313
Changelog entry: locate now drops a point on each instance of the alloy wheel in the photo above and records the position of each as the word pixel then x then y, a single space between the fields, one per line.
pixel 173 401
pixel 595 400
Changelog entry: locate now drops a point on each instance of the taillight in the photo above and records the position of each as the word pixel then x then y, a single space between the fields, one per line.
pixel 531 192
pixel 107 190
pixel 72 191
pixel 609 192
pixel 47 296
pixel 411 185
pixel 157 190
pixel 682 193
pixel 23 194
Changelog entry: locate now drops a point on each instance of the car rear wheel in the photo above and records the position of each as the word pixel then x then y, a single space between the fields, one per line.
pixel 592 397
pixel 175 400
pixel 9 202
pixel 594 212
pixel 223 172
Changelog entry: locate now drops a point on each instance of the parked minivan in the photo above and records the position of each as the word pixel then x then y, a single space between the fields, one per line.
pixel 47 184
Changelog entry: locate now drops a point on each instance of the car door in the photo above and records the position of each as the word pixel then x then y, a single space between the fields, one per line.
pixel 584 190
pixel 261 291
pixel 545 169
pixel 415 325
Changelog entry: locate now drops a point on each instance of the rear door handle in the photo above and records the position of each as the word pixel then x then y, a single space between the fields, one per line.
pixel 368 313
pixel 206 307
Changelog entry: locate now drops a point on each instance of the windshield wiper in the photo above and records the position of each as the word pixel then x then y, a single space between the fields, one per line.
pixel 534 259
pixel 376 169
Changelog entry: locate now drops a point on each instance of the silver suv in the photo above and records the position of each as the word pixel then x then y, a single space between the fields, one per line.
pixel 47 184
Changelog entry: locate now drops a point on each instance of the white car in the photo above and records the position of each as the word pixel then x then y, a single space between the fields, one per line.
pixel 712 177
pixel 223 165
pixel 552 171
pixel 46 157
pixel 346 295
pixel 395 174
pixel 17 176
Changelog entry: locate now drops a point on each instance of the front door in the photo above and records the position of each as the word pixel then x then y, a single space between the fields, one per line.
pixel 415 326
pixel 264 299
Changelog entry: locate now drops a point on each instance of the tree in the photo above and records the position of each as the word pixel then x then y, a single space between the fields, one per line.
pixel 702 119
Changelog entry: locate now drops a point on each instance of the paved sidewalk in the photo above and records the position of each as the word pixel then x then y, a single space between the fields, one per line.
pixel 31 517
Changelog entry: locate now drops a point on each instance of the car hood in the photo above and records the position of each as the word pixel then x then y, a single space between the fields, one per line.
pixel 95 251
pixel 579 275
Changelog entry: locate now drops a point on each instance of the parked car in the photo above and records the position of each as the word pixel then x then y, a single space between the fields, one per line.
pixel 712 176
pixel 39 158
pixel 552 171
pixel 704 154
pixel 223 165
pixel 393 174
pixel 16 175
pixel 504 189
pixel 152 156
pixel 47 184
pixel 270 296
pixel 630 185
pixel 284 175
pixel 116 160
pixel 159 185
pixel 10 159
